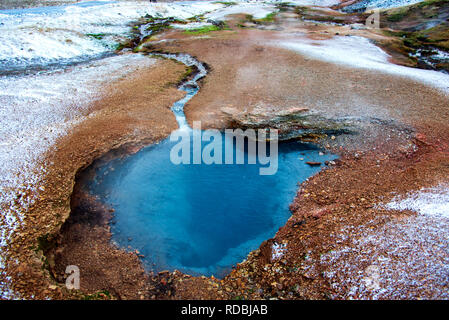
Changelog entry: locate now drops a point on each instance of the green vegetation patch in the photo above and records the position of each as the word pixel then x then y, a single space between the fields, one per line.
pixel 98 36
pixel 226 3
pixel 202 30
pixel 417 14
pixel 397 14
pixel 437 36
pixel 197 18
pixel 285 6
pixel 100 295
pixel 187 73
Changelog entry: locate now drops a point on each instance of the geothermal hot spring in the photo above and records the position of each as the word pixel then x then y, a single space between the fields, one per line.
pixel 197 218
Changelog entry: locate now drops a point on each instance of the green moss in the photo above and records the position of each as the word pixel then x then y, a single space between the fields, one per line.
pixel 249 18
pixel 397 15
pixel 197 18
pixel 417 13
pixel 44 244
pixel 157 27
pixel 301 9
pixel 187 73
pixel 407 43
pixel 437 36
pixel 97 36
pixel 202 30
pixel 119 47
pixel 268 18
pixel 226 3
pixel 429 2
pixel 100 295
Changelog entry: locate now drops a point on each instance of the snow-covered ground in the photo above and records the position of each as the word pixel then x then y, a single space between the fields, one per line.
pixel 359 52
pixel 256 9
pixel 405 258
pixel 432 202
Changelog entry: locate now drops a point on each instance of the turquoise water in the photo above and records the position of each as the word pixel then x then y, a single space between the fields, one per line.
pixel 200 219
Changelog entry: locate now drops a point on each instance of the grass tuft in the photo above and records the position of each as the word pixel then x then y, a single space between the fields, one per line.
pixel 202 30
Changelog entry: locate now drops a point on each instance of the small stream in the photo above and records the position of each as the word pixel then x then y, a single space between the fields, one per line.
pixel 199 219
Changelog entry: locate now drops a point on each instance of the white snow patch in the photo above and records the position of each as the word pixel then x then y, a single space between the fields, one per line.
pixel 394 258
pixel 428 201
pixel 278 250
pixel 258 10
pixel 360 53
